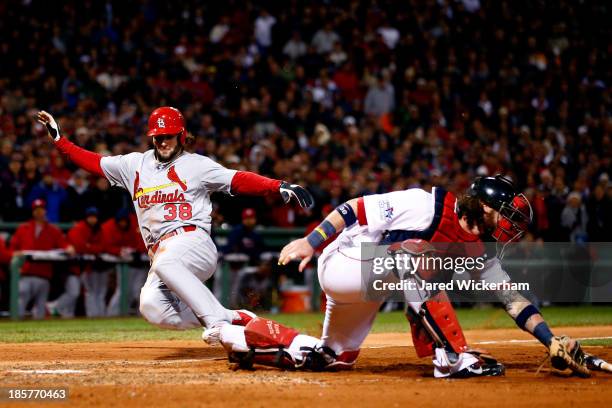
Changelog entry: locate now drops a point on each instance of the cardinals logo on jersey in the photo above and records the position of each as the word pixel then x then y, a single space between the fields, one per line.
pixel 138 191
pixel 142 194
pixel 172 176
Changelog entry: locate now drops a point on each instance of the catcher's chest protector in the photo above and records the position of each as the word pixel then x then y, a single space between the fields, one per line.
pixel 444 230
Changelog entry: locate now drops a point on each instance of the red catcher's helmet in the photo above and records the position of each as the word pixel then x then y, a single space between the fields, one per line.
pixel 167 121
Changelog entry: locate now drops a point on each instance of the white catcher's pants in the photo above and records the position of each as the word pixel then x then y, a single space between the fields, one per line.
pixel 349 318
pixel 174 295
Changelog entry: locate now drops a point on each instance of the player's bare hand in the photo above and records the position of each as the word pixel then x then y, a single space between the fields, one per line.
pixel 303 197
pixel 45 119
pixel 296 250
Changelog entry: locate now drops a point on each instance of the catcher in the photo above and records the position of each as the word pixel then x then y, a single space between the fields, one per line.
pixel 491 206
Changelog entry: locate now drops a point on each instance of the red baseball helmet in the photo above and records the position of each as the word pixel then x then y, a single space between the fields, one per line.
pixel 167 121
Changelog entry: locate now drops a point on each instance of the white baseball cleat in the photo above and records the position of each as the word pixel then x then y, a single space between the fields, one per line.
pixel 212 336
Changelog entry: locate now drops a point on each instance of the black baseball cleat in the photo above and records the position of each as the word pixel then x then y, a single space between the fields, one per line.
pixel 480 370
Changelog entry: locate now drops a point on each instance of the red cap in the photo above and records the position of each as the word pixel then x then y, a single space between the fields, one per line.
pixel 39 202
pixel 166 121
pixel 248 213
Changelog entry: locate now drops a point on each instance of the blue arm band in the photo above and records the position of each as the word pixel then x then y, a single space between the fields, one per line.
pixel 525 314
pixel 543 334
pixel 320 234
pixel 348 215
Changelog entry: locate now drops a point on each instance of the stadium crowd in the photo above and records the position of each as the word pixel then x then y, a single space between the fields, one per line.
pixel 348 98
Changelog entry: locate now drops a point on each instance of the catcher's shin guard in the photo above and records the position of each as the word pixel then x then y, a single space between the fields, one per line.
pixel 268 344
pixel 435 324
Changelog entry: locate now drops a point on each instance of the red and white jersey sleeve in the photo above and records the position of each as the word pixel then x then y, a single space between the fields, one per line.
pixel 411 209
pixel 169 195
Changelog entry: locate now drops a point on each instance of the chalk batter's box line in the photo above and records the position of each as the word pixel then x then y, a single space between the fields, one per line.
pixel 511 341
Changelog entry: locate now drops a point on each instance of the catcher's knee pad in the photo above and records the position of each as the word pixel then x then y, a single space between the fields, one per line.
pixel 435 324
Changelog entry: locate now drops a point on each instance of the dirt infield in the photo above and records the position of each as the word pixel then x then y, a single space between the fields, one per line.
pixel 388 374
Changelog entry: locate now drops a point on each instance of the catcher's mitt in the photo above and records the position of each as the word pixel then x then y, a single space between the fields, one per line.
pixel 562 357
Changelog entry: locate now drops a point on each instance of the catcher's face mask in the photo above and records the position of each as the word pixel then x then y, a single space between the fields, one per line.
pixel 514 218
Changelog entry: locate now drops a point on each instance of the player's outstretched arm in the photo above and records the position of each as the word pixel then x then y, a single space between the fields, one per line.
pixel 565 353
pixel 343 216
pixel 246 182
pixel 85 159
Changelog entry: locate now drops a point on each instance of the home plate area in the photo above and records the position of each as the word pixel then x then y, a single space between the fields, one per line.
pixel 388 373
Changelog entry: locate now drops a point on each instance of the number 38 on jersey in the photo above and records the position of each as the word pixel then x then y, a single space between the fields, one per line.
pixel 182 211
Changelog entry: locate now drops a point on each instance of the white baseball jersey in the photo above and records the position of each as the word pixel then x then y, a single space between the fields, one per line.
pixel 411 209
pixel 168 195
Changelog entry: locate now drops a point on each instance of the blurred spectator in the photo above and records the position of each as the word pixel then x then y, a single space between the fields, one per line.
pixel 78 192
pixel 52 193
pixel 219 30
pixel 108 200
pixel 599 209
pixel 244 237
pixel 380 98
pixel 390 35
pixel 6 254
pixel 325 38
pixel 86 237
pixel 36 234
pixel 574 218
pixel 14 190
pixel 121 237
pixel 295 47
pixel 256 286
pixel 263 28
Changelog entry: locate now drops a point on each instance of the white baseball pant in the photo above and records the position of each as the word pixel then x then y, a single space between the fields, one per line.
pixel 33 288
pixel 174 295
pixel 348 317
pixel 66 303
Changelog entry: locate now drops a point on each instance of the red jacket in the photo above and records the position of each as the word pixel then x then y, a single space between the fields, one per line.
pixel 114 238
pixel 5 258
pixel 49 237
pixel 85 239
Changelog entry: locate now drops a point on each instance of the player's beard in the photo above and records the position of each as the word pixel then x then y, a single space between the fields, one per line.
pixel 171 156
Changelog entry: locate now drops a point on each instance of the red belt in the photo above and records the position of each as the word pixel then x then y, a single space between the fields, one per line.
pixel 177 231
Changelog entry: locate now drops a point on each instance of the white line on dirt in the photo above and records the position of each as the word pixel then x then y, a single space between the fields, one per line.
pixel 52 372
pixel 535 341
pixel 113 362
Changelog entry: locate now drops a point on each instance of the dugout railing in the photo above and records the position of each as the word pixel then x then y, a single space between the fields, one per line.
pixel 597 288
pixel 274 238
